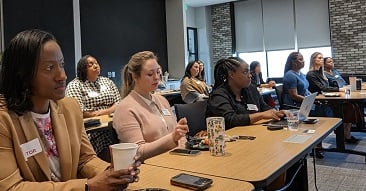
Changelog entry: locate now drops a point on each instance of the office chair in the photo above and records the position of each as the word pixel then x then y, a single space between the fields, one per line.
pixel 195 114
pixel 279 92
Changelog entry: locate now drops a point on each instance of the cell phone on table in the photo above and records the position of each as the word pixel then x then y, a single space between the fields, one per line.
pixel 187 152
pixel 311 120
pixel 190 181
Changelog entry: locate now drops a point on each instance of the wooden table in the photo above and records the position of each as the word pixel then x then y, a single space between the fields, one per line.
pixel 258 161
pixel 158 177
pixel 104 120
pixel 357 97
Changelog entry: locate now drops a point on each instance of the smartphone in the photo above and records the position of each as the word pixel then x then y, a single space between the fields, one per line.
pixel 187 152
pixel 243 137
pixel 190 181
pixel 311 121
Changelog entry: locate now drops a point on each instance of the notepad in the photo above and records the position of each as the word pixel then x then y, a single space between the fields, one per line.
pixel 297 139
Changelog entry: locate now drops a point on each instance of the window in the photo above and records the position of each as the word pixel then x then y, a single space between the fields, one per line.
pixel 307 52
pixel 276 62
pixel 256 56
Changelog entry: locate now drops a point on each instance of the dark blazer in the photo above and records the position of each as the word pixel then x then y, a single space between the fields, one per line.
pixel 78 160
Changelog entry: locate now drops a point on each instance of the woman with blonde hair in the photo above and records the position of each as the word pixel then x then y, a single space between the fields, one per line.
pixel 143 117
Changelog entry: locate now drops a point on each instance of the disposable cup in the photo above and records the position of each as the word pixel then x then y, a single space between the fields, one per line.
pixel 293 119
pixel 123 155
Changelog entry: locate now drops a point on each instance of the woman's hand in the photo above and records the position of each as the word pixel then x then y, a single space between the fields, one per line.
pixel 180 130
pixel 271 84
pixel 111 180
pixel 273 114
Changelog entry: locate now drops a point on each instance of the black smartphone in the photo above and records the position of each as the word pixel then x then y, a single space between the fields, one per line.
pixel 311 121
pixel 243 137
pixel 187 152
pixel 190 181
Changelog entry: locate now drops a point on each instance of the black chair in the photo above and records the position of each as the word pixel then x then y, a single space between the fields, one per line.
pixel 195 114
pixel 279 92
pixel 105 153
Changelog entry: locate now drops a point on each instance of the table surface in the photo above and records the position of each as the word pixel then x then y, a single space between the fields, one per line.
pixel 355 95
pixel 104 119
pixel 158 177
pixel 265 91
pixel 257 161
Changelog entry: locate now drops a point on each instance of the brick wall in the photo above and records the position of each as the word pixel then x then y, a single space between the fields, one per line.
pixel 348 34
pixel 221 31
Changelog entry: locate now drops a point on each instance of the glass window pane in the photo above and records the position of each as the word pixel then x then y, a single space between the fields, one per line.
pixel 307 52
pixel 256 56
pixel 277 61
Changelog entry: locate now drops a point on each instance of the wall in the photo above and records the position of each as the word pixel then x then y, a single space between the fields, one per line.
pixel 200 18
pixel 53 16
pixel 348 35
pixel 221 31
pixel 176 37
pixel 112 31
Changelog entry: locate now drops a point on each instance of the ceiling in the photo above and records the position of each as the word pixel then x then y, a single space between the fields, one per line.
pixel 201 3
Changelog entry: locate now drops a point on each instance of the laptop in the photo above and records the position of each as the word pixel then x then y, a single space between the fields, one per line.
pixel 305 108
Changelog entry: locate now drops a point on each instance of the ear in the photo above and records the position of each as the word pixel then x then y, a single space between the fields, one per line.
pixel 231 74
pixel 134 76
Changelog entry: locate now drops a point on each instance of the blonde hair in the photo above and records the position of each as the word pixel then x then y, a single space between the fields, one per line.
pixel 134 66
pixel 312 63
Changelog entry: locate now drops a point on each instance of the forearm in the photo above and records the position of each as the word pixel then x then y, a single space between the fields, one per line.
pixel 148 150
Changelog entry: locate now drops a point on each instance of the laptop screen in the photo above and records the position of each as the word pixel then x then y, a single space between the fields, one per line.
pixel 306 106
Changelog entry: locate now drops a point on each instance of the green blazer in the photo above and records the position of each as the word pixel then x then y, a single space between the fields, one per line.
pixel 78 160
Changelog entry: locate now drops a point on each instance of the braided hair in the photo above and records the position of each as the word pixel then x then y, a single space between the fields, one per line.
pixel 222 68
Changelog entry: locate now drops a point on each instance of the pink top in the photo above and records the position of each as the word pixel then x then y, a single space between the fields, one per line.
pixel 138 120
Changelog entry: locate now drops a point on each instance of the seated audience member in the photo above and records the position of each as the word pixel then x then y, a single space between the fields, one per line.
pixel 234 98
pixel 295 84
pixel 97 95
pixel 142 117
pixel 257 79
pixel 334 77
pixel 36 116
pixel 351 111
pixel 255 71
pixel 192 88
pixel 201 73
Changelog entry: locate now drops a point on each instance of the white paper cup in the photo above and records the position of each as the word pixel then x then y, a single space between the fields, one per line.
pixel 123 155
pixel 293 119
pixel 216 132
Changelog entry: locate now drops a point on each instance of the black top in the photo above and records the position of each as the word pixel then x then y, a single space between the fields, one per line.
pixel 222 103
pixel 318 84
pixel 257 80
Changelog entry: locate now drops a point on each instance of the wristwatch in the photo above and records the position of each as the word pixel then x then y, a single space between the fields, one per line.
pixel 86 186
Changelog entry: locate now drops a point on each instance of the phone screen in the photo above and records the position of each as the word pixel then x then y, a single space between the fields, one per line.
pixel 185 152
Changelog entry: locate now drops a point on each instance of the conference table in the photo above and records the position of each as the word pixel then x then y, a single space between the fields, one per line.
pixel 104 120
pixel 258 161
pixel 158 177
pixel 336 103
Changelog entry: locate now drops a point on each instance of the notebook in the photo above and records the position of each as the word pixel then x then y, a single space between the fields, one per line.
pixel 305 108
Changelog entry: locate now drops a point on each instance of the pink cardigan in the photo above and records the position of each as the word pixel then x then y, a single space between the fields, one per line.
pixel 135 122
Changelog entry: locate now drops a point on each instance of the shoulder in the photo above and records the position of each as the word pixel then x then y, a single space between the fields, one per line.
pixel 68 103
pixel 75 81
pixel 161 99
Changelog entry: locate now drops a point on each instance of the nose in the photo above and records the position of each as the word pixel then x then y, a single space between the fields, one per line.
pixel 60 74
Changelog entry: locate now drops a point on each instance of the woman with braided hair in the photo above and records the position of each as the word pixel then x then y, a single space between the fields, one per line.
pixel 235 98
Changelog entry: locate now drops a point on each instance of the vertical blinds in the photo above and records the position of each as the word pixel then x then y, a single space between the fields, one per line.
pixel 280 24
pixel 249 27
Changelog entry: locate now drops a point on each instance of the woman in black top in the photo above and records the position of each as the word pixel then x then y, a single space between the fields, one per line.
pixel 318 82
pixel 257 79
pixel 234 98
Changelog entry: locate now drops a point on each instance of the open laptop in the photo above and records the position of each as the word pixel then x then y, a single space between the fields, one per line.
pixel 305 108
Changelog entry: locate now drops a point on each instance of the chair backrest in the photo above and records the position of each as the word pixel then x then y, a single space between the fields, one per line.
pixel 279 92
pixel 195 114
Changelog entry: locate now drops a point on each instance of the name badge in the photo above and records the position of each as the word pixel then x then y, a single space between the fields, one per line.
pixel 93 94
pixel 166 112
pixel 252 107
pixel 31 148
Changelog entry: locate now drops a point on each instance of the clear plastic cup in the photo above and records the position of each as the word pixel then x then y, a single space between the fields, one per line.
pixel 293 119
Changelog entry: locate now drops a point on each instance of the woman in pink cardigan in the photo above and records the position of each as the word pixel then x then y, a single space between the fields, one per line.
pixel 142 117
